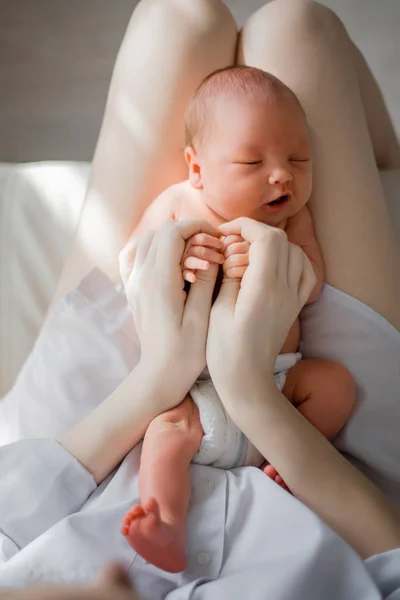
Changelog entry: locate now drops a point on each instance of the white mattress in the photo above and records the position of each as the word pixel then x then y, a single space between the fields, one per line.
pixel 39 209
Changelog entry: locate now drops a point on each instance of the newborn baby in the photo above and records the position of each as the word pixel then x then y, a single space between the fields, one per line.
pixel 249 155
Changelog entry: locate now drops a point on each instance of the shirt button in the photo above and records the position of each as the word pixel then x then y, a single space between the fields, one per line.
pixel 208 485
pixel 203 558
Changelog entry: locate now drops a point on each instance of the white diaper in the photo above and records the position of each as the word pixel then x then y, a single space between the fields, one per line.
pixel 223 444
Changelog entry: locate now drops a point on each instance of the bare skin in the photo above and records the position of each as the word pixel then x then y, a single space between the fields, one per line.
pixel 255 155
pixel 112 582
pixel 302 43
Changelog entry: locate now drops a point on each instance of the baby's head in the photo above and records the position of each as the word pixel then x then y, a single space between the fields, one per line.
pixel 248 146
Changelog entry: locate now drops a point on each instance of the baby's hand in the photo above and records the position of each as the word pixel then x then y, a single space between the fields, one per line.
pixel 236 253
pixel 201 250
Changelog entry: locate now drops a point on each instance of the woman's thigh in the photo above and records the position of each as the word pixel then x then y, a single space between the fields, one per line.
pixel 169 47
pixel 306 46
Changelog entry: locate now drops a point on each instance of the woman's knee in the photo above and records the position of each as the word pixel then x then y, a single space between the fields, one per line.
pixel 287 21
pixel 196 16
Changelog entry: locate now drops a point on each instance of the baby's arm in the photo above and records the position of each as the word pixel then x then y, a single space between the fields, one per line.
pixel 300 231
pixel 201 249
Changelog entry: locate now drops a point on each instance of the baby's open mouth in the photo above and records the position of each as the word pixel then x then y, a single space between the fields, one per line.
pixel 275 206
pixel 279 201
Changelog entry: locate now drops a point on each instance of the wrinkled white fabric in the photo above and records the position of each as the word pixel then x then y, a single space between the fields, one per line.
pixel 246 536
pixel 223 444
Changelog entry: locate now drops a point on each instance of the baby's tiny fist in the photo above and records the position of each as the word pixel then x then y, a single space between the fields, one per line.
pixel 236 252
pixel 201 251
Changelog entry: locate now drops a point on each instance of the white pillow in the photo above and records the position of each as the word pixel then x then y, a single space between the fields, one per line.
pixel 40 205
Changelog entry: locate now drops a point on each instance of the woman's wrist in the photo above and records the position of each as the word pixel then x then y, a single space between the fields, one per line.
pixel 243 381
pixel 314 470
pixel 103 438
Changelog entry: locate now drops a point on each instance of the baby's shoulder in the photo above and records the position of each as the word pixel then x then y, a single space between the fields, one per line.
pixel 180 198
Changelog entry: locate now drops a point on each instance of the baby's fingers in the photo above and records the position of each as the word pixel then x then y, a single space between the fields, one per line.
pixel 189 276
pixel 205 254
pixel 192 263
pixel 203 239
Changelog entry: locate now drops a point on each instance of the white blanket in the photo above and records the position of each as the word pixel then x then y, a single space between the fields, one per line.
pixel 246 536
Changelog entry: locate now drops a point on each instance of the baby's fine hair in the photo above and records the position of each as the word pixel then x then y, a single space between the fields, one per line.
pixel 235 82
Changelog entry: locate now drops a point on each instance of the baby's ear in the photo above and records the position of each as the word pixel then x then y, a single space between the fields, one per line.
pixel 194 167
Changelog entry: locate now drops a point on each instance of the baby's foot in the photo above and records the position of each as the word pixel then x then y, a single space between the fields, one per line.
pixel 273 474
pixel 161 544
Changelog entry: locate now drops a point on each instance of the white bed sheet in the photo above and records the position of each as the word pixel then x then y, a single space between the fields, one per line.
pixel 40 205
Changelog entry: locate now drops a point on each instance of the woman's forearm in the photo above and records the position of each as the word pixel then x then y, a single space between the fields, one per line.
pixel 315 472
pixel 102 439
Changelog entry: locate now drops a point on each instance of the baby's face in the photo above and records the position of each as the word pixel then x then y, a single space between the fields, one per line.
pixel 256 160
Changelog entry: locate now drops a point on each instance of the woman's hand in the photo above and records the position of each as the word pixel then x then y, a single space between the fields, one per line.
pixel 172 325
pixel 112 583
pixel 172 328
pixel 252 317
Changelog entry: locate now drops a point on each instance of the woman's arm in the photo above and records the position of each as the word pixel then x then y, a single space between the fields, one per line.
pixel 169 363
pixel 102 439
pixel 43 482
pixel 249 323
pixel 313 469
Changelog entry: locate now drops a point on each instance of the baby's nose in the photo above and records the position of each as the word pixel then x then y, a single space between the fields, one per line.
pixel 279 175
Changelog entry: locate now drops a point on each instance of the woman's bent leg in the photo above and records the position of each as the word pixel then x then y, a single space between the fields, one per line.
pixel 307 47
pixel 381 131
pixel 169 47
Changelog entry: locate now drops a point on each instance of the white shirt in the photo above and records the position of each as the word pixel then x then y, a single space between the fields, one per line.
pixel 246 536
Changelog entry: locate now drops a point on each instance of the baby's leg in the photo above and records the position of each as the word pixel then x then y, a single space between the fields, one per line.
pixel 156 528
pixel 324 392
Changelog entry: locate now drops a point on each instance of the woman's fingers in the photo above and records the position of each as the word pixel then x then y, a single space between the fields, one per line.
pixel 226 301
pixel 189 276
pixel 246 228
pixel 205 254
pixel 173 235
pixel 307 281
pixel 136 251
pixel 192 262
pixel 235 272
pixel 126 259
pixel 295 266
pixel 143 247
pixel 236 260
pixel 198 302
pixel 229 240
pixel 209 241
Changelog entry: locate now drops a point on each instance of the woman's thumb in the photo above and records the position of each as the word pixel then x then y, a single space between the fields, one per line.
pixel 201 291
